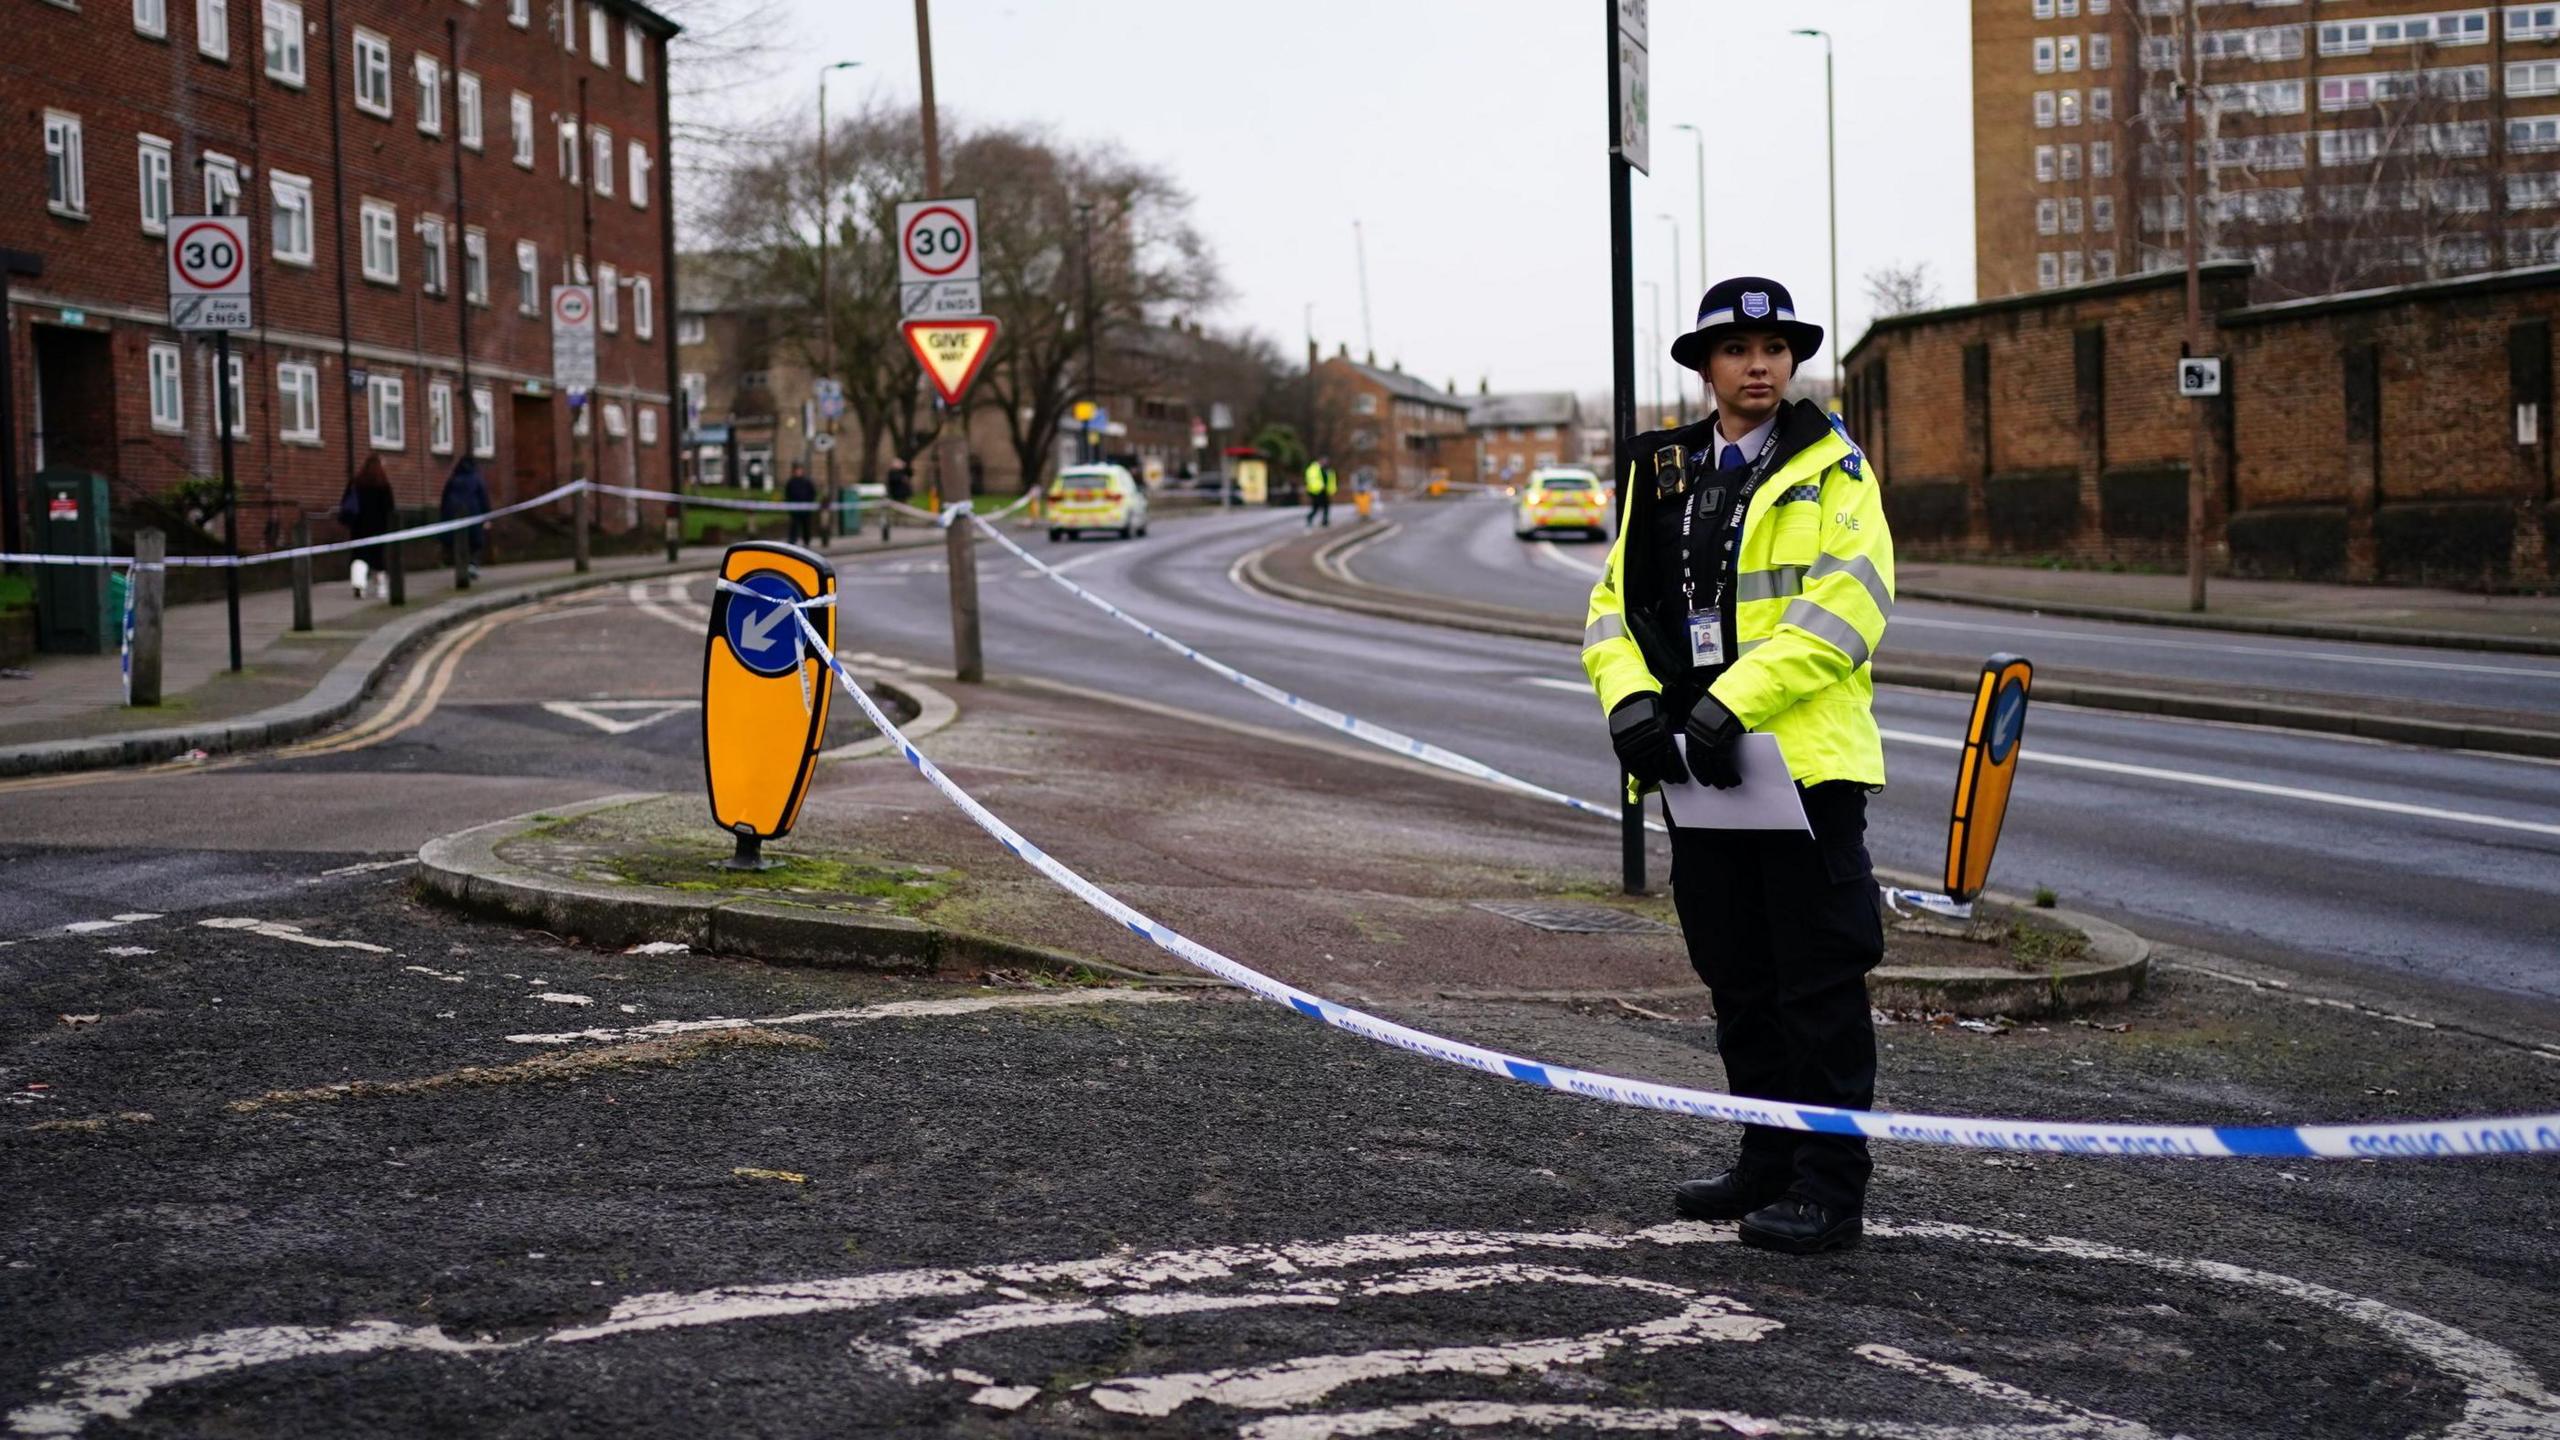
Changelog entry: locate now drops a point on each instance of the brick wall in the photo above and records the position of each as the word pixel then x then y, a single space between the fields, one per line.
pixel 104 272
pixel 2365 437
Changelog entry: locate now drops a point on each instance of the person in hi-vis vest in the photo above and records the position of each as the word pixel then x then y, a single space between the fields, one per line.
pixel 1320 483
pixel 1747 591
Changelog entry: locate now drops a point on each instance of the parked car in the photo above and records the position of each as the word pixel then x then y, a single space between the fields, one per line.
pixel 1561 498
pixel 1096 497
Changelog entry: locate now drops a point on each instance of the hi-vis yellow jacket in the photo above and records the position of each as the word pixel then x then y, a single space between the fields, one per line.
pixel 1318 481
pixel 1812 589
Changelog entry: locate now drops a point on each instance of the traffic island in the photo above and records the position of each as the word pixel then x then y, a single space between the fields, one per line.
pixel 1350 873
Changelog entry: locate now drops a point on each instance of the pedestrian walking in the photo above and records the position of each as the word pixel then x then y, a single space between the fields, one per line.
pixel 801 490
pixel 465 494
pixel 1320 483
pixel 366 509
pixel 1747 591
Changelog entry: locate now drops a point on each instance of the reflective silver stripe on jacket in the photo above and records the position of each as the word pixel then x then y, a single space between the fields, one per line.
pixel 1865 569
pixel 1775 583
pixel 1607 627
pixel 1814 620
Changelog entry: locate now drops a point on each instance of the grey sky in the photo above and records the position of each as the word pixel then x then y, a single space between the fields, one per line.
pixel 1469 138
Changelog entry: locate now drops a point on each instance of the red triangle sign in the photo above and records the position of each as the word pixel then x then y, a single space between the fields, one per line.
pixel 952 351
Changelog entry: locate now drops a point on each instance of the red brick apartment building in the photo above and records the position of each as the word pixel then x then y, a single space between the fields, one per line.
pixel 417 174
pixel 2341 144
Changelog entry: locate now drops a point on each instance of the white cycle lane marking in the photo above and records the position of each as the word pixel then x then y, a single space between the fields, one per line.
pixel 279 930
pixel 2222 647
pixel 912 1321
pixel 891 1010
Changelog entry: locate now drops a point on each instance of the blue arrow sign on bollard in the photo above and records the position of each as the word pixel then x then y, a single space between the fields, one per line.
pixel 765 637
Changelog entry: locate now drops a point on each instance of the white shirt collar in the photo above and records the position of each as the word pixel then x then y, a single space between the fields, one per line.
pixel 1749 444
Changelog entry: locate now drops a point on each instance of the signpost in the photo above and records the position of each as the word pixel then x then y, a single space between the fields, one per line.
pixel 764 692
pixel 209 290
pixel 2200 376
pixel 938 258
pixel 1633 137
pixel 573 369
pixel 1628 103
pixel 951 351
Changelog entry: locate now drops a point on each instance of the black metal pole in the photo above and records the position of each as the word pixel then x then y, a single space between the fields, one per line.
pixel 1622 382
pixel 230 488
pixel 1092 447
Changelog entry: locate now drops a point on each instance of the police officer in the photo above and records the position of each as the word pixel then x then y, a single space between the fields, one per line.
pixel 1747 591
pixel 1320 486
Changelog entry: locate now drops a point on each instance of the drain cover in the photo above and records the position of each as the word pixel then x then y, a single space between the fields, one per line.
pixel 1574 919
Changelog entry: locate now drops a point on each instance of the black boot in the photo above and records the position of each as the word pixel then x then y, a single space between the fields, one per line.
pixel 1731 1195
pixel 1794 1225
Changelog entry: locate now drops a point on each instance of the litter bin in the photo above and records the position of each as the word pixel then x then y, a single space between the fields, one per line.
pixel 74 612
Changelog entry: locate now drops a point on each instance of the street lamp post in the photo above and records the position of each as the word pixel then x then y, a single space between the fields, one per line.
pixel 1679 294
pixel 2190 67
pixel 1653 351
pixel 1831 160
pixel 1698 141
pixel 826 291
pixel 1091 450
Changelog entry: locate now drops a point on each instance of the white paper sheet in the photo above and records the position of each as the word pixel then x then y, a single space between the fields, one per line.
pixel 1766 799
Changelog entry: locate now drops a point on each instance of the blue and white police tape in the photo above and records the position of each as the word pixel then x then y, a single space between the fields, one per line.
pixel 709 502
pixel 270 557
pixel 2510 1135
pixel 799 651
pixel 1370 731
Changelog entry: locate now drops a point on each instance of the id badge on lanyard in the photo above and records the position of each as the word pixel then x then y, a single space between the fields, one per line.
pixel 1706 638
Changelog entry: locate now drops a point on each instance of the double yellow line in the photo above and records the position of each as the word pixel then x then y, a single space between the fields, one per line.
pixel 420 691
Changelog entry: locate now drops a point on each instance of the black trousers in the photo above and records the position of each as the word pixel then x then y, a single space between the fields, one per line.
pixel 1320 507
pixel 803 526
pixel 1783 929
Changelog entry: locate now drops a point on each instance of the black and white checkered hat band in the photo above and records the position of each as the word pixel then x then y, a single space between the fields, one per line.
pixel 1731 316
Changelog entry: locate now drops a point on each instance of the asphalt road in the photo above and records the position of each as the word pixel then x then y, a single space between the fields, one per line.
pixel 289 1154
pixel 1466 549
pixel 2324 854
pixel 333 1164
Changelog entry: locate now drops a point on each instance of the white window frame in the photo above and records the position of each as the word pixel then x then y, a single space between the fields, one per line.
pixel 2044 109
pixel 2102 105
pixel 600 140
pixel 151 18
pixel 2533 134
pixel 2102 159
pixel 2044 54
pixel 2102 51
pixel 373 73
pixel 2048 216
pixel 573 160
pixel 2532 22
pixel 617 421
pixel 439 417
pixel 2102 214
pixel 386 412
pixel 2044 9
pixel 520 128
pixel 213 29
pixel 648 423
pixel 167 387
pixel 475 266
pixel 635 53
pixel 220 175
pixel 609 299
pixel 430 75
pixel 2044 164
pixel 520 14
pixel 2068 9
pixel 2068 54
pixel 640 165
pixel 528 278
pixel 236 397
pixel 691 329
pixel 2070 108
pixel 569 25
pixel 2070 158
pixel 2533 77
pixel 289 201
pixel 155 173
pixel 599 35
pixel 2073 271
pixel 644 308
pixel 297 403
pixel 280 42
pixel 66 153
pixel 2102 265
pixel 2071 215
pixel 435 255
pixel 484 423
pixel 468 118
pixel 2048 270
pixel 378 225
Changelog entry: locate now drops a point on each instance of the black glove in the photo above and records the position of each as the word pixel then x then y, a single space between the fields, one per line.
pixel 1643 741
pixel 1715 743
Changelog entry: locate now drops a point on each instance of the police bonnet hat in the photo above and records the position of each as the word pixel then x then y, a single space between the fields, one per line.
pixel 1746 302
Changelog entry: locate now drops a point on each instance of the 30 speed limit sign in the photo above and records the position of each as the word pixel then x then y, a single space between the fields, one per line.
pixel 938 257
pixel 209 272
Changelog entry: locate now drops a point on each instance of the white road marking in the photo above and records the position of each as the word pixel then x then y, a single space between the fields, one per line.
pixel 621 717
pixel 1570 687
pixel 434 974
pixel 1546 550
pixel 2501 1395
pixel 128 951
pixel 368 866
pixel 894 1010
pixel 554 997
pixel 2156 642
pixel 278 930
pixel 2248 787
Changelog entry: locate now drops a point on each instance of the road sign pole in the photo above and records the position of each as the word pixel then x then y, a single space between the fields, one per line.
pixel 230 489
pixel 1622 382
pixel 968 660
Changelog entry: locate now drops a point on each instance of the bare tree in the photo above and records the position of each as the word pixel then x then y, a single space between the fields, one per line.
pixel 1900 289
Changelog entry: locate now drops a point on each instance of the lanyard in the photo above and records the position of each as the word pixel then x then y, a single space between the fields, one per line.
pixel 1759 471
